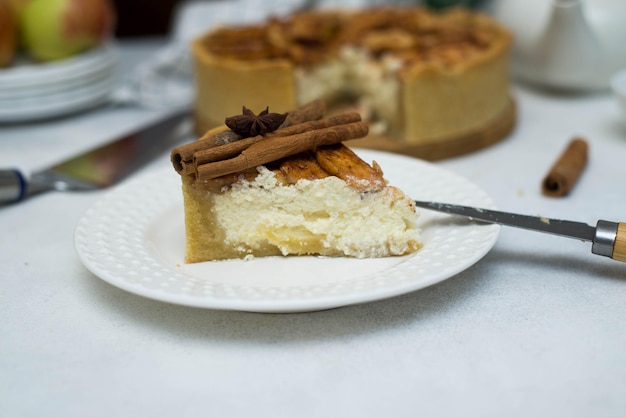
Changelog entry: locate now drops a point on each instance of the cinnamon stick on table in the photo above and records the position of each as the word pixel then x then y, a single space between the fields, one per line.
pixel 563 175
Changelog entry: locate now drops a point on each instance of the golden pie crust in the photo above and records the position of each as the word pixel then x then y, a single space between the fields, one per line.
pixel 444 76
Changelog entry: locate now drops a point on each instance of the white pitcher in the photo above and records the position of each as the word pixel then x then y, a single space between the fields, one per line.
pixel 565 44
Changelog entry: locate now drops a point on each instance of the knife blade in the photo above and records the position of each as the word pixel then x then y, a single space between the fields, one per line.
pixel 608 238
pixel 100 167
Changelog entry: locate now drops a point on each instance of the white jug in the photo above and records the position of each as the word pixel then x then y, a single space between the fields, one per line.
pixel 565 44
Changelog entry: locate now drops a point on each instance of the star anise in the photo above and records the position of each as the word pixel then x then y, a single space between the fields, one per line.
pixel 248 124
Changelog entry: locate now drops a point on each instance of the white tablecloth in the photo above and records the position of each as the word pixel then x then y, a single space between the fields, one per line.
pixel 535 329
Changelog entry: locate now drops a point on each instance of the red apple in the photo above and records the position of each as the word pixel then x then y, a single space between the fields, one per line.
pixel 57 29
pixel 8 33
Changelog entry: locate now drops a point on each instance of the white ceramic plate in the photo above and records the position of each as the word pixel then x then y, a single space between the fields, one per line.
pixel 27 74
pixel 52 100
pixel 134 239
pixel 60 104
pixel 33 91
pixel 43 91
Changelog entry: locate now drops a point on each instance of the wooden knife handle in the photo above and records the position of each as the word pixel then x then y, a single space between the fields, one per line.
pixel 619 248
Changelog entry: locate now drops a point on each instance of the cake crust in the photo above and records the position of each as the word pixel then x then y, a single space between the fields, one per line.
pixel 424 77
pixel 323 216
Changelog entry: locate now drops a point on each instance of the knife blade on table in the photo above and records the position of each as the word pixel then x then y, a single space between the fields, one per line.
pixel 100 167
pixel 607 238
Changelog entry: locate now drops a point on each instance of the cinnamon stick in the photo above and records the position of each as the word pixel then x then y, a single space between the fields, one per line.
pixel 275 148
pixel 182 156
pixel 304 126
pixel 230 150
pixel 311 111
pixel 224 151
pixel 563 175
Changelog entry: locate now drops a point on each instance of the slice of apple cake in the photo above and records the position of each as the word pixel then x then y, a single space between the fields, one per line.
pixel 272 184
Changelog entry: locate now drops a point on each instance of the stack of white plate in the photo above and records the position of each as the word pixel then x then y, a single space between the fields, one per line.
pixel 32 91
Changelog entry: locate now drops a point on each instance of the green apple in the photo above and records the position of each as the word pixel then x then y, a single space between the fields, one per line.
pixel 8 33
pixel 58 29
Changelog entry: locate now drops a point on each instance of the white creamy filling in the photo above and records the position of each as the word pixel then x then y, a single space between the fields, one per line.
pixel 354 73
pixel 325 211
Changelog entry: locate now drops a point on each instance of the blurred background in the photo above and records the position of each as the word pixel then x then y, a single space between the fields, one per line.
pixel 155 17
pixel 144 17
pixel 570 45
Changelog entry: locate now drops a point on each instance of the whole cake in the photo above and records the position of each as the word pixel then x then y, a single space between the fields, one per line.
pixel 419 77
pixel 278 184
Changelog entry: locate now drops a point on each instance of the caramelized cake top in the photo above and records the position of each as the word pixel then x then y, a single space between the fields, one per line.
pixel 415 36
pixel 295 146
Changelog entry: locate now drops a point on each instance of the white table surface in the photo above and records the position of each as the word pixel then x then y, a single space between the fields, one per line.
pixel 535 329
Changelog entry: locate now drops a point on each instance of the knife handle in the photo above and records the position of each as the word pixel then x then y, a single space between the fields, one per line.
pixel 619 248
pixel 13 186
